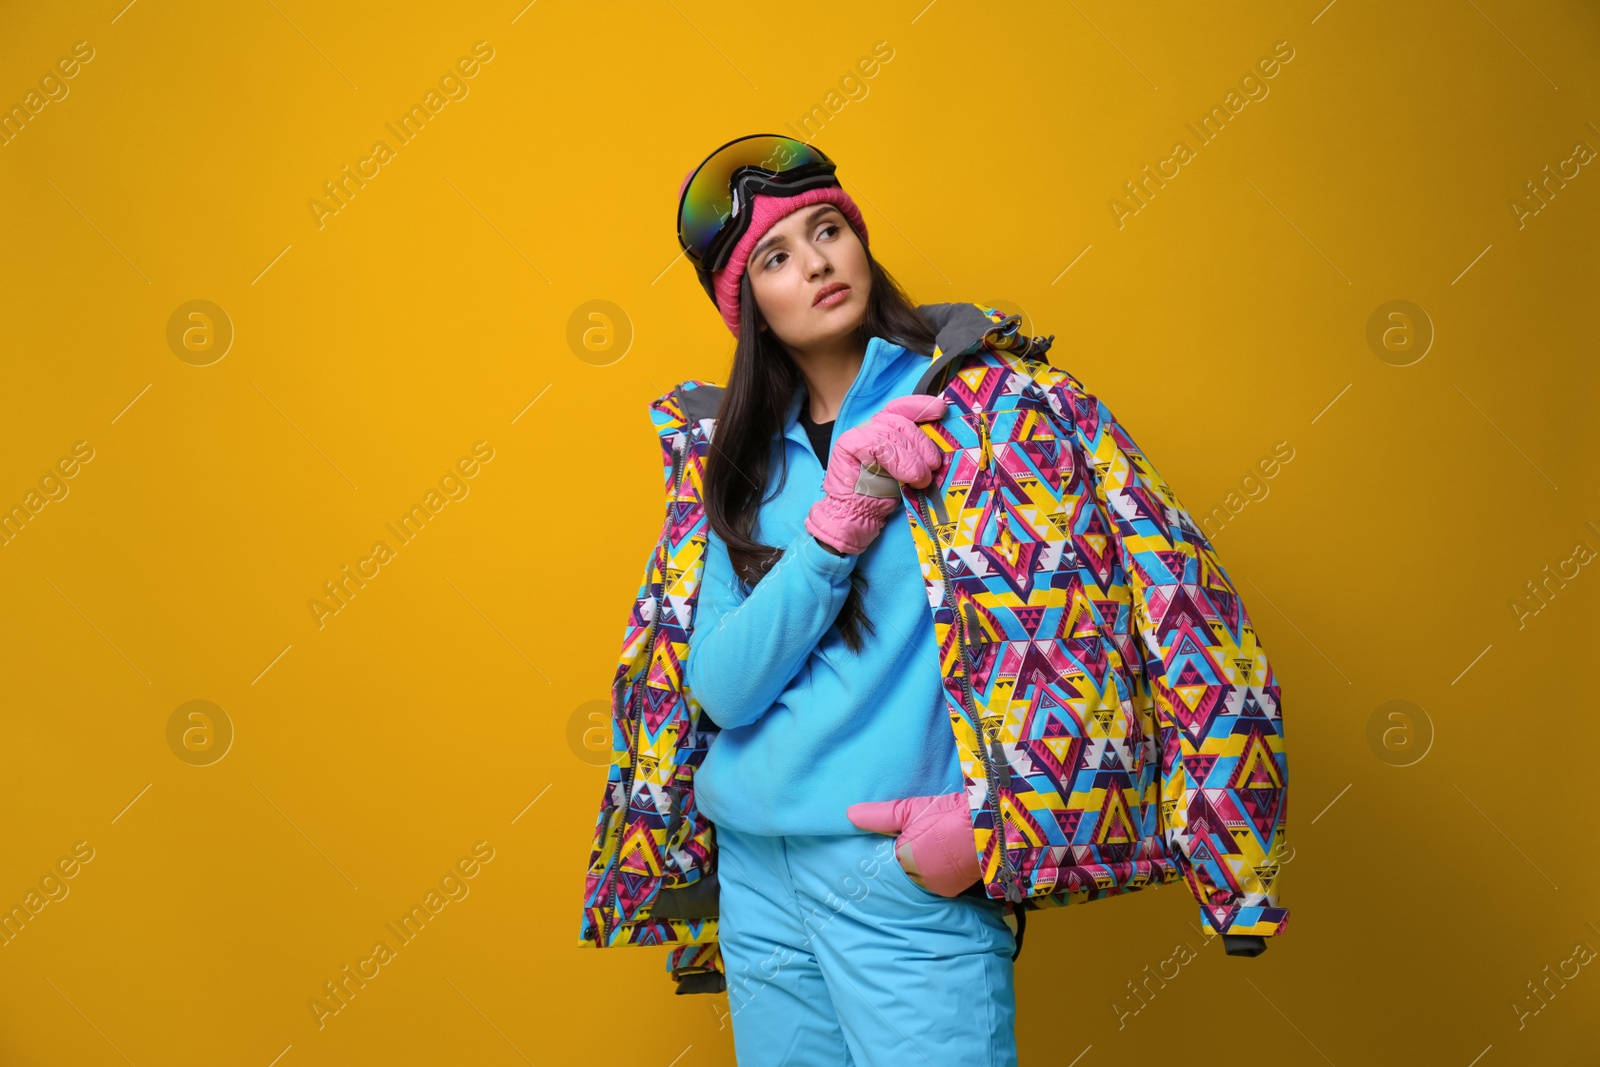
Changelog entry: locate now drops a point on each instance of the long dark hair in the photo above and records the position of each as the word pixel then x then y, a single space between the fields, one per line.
pixel 754 401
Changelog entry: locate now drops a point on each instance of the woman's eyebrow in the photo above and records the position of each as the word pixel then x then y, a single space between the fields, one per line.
pixel 778 238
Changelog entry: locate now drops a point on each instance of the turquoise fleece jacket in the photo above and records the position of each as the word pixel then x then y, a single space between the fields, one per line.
pixel 807 726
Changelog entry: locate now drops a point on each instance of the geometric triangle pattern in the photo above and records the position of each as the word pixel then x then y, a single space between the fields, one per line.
pixel 1116 718
pixel 1223 767
pixel 649 834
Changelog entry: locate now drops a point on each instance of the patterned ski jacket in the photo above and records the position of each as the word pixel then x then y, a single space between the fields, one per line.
pixel 1117 719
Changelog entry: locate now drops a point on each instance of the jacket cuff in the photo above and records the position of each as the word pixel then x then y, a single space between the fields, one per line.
pixel 700 982
pixel 697 968
pixel 1244 944
pixel 1243 919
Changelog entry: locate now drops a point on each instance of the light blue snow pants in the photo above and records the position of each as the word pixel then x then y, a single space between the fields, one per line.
pixel 834 957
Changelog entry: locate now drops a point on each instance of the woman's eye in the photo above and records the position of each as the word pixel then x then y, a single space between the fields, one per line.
pixel 772 260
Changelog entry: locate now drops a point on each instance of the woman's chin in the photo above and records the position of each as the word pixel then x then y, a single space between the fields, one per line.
pixel 842 318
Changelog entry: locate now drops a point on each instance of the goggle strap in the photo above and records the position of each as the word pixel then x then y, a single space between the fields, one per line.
pixel 820 175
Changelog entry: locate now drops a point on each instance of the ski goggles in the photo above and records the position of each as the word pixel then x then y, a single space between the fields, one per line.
pixel 713 211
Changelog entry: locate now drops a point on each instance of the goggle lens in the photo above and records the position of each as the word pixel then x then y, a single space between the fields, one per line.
pixel 707 201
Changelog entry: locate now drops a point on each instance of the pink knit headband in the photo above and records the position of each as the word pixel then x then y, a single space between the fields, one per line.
pixel 766 212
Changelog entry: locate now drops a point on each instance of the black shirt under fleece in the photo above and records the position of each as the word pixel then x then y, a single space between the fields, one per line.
pixel 821 433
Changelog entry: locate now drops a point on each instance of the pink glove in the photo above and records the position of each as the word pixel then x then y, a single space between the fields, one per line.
pixel 866 467
pixel 935 843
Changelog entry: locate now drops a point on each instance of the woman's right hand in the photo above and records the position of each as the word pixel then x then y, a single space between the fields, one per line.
pixel 865 469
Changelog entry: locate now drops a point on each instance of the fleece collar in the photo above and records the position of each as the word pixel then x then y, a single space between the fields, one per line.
pixel 878 365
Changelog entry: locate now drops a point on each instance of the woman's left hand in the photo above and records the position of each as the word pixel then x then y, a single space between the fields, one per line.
pixel 935 843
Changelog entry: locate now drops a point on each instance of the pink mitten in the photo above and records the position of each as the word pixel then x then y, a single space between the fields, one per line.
pixel 935 843
pixel 865 469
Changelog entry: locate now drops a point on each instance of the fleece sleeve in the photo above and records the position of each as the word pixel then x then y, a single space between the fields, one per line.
pixel 1224 768
pixel 744 650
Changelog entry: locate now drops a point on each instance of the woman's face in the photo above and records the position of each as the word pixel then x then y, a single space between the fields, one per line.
pixel 808 252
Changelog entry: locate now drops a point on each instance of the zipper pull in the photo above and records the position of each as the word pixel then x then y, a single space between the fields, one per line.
pixel 969 615
pixel 985 449
pixel 1002 769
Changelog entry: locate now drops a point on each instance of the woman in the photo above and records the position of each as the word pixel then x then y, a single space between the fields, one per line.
pixel 834 779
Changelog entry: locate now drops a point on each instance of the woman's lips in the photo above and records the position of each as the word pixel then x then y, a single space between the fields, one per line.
pixel 838 296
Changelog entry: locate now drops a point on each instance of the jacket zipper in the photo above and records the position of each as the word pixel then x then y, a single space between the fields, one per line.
pixel 1014 890
pixel 679 448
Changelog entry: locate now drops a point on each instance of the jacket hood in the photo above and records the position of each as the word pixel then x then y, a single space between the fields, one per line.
pixel 960 329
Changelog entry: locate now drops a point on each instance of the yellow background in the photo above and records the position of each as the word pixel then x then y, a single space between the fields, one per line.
pixel 434 310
